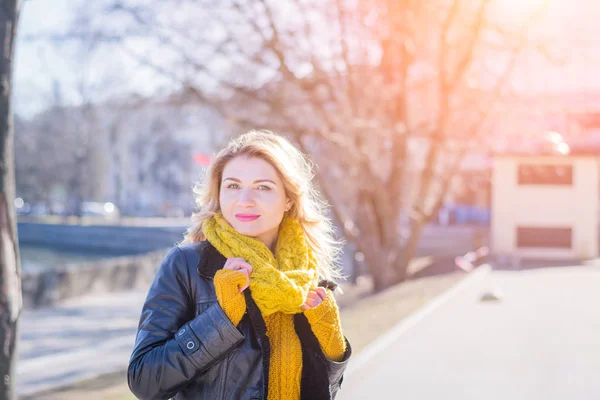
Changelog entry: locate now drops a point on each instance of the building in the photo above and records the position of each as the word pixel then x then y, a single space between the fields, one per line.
pixel 545 205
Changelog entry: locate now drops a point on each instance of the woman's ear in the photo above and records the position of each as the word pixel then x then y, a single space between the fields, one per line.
pixel 288 205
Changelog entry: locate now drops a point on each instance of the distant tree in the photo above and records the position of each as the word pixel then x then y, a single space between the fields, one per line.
pixel 387 96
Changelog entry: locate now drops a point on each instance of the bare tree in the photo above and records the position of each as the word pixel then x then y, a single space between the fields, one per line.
pixel 387 96
pixel 10 280
pixel 66 136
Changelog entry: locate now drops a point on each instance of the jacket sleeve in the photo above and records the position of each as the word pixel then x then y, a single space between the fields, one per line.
pixel 173 345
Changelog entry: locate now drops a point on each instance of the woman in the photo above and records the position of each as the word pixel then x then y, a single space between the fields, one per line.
pixel 243 308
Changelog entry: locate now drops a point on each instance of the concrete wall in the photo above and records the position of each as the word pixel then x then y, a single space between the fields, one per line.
pixel 44 288
pixel 141 248
pixel 574 206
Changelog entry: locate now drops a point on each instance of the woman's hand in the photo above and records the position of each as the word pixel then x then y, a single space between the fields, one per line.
pixel 314 298
pixel 239 264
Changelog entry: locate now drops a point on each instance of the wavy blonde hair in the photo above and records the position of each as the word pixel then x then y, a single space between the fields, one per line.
pixel 297 175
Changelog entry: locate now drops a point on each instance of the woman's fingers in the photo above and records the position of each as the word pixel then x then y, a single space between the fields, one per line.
pixel 239 264
pixel 321 292
pixel 313 299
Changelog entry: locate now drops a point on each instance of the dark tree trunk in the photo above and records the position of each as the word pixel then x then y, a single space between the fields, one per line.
pixel 10 277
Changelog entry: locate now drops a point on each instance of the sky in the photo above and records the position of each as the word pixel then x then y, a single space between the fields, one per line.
pixel 571 27
pixel 40 65
pixel 36 65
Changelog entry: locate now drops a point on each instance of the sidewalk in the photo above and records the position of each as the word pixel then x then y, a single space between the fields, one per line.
pixel 539 342
pixel 81 338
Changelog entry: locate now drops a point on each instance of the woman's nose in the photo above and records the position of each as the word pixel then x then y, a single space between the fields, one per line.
pixel 246 198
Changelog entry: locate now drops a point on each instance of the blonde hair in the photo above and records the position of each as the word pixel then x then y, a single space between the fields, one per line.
pixel 296 173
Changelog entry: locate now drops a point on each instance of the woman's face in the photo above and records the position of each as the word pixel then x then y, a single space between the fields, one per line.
pixel 253 198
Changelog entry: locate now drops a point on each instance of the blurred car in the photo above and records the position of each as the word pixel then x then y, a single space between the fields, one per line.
pixel 99 209
pixel 21 207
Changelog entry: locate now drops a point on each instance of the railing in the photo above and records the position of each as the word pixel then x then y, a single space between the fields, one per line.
pixel 472 259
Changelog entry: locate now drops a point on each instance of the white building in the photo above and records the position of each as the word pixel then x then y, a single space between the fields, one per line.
pixel 545 205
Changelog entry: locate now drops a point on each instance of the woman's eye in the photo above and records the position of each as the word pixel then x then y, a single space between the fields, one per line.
pixel 232 186
pixel 264 187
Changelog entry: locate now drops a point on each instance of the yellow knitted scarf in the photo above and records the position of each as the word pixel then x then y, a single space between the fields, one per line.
pixel 278 282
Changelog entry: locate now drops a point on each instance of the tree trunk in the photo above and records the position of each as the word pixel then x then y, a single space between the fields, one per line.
pixel 10 277
pixel 379 271
pixel 408 250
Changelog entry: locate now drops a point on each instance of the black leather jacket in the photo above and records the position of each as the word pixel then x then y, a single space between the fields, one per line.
pixel 187 348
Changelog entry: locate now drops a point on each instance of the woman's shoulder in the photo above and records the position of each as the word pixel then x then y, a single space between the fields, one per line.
pixel 188 264
pixel 201 257
pixel 191 251
pixel 181 257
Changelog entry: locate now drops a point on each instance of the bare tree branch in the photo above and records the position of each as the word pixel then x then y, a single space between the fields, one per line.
pixel 356 96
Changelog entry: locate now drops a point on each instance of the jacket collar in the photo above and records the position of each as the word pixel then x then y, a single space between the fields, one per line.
pixel 210 260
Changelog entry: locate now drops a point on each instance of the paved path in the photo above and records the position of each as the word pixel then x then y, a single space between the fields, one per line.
pixel 80 339
pixel 541 342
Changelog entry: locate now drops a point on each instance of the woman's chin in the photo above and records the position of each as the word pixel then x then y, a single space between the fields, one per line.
pixel 245 229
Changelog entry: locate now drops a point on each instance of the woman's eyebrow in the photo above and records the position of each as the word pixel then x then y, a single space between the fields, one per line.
pixel 256 181
pixel 265 180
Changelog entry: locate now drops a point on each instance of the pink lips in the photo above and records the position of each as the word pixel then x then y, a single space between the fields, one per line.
pixel 246 217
